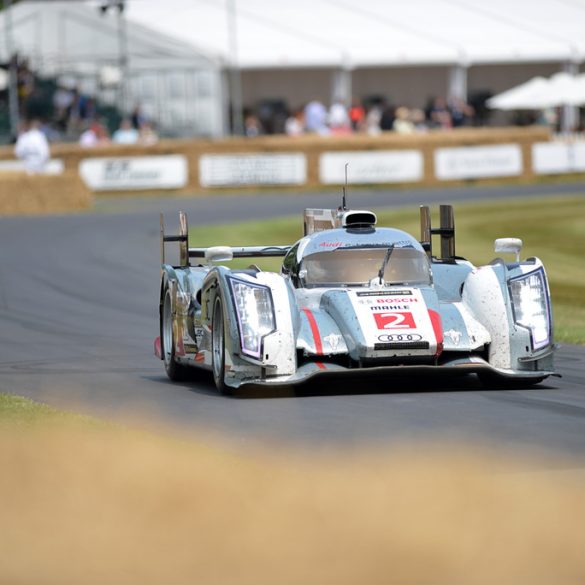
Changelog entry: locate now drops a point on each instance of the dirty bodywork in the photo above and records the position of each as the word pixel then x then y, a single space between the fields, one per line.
pixel 352 297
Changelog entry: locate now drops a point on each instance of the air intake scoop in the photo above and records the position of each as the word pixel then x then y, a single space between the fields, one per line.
pixel 358 219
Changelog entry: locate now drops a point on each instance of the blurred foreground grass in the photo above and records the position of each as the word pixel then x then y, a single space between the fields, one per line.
pixel 127 508
pixel 552 229
pixel 20 411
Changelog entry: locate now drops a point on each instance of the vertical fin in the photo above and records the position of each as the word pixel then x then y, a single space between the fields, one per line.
pixel 425 230
pixel 184 242
pixel 447 232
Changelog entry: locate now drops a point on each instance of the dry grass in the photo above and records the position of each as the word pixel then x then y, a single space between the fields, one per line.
pixel 110 507
pixel 21 193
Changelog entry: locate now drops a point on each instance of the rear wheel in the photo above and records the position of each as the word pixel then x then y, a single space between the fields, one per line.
pixel 218 347
pixel 495 381
pixel 175 371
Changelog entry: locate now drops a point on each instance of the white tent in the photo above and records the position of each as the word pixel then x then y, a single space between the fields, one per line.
pixel 345 33
pixel 521 97
pixel 178 85
pixel 562 89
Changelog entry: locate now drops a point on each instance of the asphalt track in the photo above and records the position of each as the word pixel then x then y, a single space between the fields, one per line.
pixel 78 314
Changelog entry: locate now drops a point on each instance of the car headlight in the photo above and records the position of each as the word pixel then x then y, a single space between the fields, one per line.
pixel 255 313
pixel 530 302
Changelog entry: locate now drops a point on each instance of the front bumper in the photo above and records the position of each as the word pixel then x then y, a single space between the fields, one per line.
pixel 458 365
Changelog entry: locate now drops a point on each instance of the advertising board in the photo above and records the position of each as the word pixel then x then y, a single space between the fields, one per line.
pixel 475 162
pixel 134 172
pixel 235 170
pixel 380 166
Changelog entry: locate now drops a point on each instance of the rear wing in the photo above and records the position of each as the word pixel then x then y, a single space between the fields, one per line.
pixel 186 253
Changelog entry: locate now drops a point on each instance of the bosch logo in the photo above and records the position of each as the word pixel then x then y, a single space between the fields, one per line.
pixel 400 337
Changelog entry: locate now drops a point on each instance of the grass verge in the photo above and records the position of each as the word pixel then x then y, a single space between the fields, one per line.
pixel 20 411
pixel 552 229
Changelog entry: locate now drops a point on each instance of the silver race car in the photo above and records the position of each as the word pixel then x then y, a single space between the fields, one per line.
pixel 354 298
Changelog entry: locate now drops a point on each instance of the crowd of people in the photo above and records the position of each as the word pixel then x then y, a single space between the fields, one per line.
pixel 376 117
pixel 133 130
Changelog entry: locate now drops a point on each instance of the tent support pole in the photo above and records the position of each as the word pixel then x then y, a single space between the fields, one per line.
pixel 13 76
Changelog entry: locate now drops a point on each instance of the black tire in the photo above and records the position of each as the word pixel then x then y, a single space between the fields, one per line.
pixel 497 382
pixel 218 347
pixel 175 371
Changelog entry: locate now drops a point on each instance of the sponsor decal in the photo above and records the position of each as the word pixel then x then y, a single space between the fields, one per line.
pixel 333 340
pixel 454 336
pixel 379 166
pixel 471 162
pixel 402 320
pixel 385 293
pixel 134 172
pixel 330 244
pixel 410 322
pixel 224 170
pixel 399 337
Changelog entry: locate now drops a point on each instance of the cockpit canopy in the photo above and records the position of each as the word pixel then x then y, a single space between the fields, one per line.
pixel 346 257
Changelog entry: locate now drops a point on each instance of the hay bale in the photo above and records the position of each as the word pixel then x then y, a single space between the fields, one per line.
pixel 25 194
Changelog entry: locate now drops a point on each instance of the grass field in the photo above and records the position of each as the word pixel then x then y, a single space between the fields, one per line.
pixel 552 229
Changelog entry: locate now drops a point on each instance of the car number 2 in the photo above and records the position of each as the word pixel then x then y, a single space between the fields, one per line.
pixel 394 321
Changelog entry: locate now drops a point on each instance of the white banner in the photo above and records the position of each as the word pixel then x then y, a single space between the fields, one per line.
pixel 380 166
pixel 473 162
pixel 550 158
pixel 134 172
pixel 233 170
pixel 53 167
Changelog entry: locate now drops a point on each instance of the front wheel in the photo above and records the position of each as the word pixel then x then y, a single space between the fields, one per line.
pixel 218 347
pixel 175 371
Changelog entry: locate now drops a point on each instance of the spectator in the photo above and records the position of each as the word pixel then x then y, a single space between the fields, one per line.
pixel 402 122
pixel 373 118
pixel 137 117
pixel 461 113
pixel 95 135
pixel 316 117
pixel 339 119
pixel 125 134
pixel 388 117
pixel 146 135
pixel 357 116
pixel 438 116
pixel 32 148
pixel 251 126
pixel 62 102
pixel 295 124
pixel 417 117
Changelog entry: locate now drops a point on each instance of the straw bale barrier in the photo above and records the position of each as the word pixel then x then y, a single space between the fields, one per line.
pixel 313 146
pixel 21 193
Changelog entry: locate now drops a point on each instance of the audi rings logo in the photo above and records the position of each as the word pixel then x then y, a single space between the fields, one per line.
pixel 399 337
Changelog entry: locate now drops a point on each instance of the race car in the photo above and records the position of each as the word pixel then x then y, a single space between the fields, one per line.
pixel 354 298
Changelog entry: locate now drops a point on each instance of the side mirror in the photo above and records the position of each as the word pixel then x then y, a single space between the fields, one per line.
pixel 509 246
pixel 218 254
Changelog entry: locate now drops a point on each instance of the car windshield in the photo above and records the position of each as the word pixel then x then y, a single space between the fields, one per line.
pixel 356 267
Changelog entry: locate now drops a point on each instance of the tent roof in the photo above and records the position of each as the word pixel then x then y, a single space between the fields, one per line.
pixel 537 93
pixel 79 36
pixel 333 33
